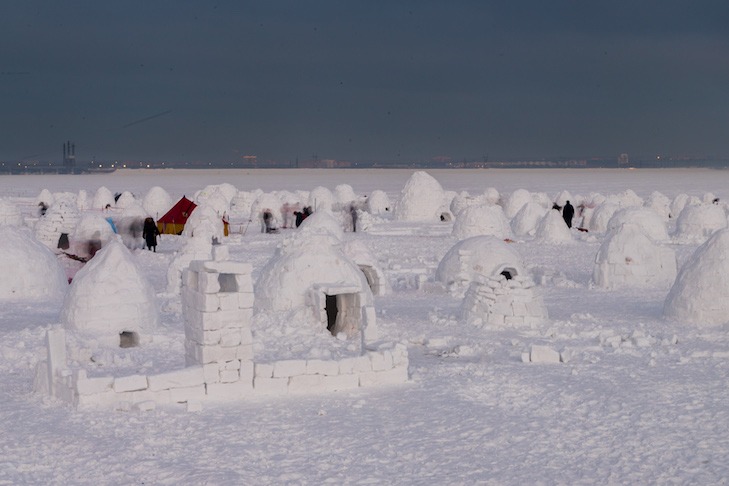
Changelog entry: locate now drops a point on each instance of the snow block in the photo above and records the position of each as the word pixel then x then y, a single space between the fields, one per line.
pixel 188 393
pixel 147 406
pixel 92 386
pixel 271 386
pixel 306 384
pixel 130 383
pixel 229 376
pixel 394 376
pixel 187 377
pixel 211 373
pixel 340 382
pixel 264 370
pixel 543 354
pixel 322 367
pixel 105 399
pixel 228 391
pixel 246 372
pixel 287 368
pixel 245 300
pixel 238 268
pixel 208 283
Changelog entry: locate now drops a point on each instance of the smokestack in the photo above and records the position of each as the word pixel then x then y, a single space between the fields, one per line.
pixel 73 150
pixel 64 152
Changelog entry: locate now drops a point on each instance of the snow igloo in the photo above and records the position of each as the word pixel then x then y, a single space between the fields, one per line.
pixel 498 291
pixel 421 200
pixel 482 220
pixel 699 294
pixel 697 222
pixel 29 269
pixel 110 300
pixel 310 274
pixel 478 255
pixel 629 257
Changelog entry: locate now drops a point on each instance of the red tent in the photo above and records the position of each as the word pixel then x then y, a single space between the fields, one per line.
pixel 173 222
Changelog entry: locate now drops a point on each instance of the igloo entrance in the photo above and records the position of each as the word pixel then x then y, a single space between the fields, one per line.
pixel 339 309
pixel 128 339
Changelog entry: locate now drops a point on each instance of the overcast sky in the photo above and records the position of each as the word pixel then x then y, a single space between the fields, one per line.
pixel 363 80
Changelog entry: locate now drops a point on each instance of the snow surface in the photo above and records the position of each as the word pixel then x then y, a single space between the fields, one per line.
pixel 612 392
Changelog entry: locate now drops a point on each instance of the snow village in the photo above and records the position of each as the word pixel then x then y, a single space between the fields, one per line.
pixel 475 308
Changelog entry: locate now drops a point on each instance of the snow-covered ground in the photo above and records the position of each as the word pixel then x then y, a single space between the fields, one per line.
pixel 638 399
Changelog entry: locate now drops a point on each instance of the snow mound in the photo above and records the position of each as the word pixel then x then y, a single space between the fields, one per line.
pixel 108 296
pixel 516 201
pixel 697 222
pixel 45 197
pixel 29 269
pixel 204 221
pixel 482 220
pixel 629 257
pixel 82 200
pixel 344 195
pixel 10 214
pixel 157 202
pixel 660 203
pixel 102 198
pixel 378 203
pixel 322 222
pixel 526 220
pixel 125 200
pixel 479 255
pixel 92 230
pixel 215 198
pixel 651 222
pixel 598 221
pixel 321 198
pixel 421 200
pixel 699 293
pixel 553 229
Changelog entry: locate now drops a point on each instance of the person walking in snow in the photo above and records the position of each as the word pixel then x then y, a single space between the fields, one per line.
pixel 149 233
pixel 568 212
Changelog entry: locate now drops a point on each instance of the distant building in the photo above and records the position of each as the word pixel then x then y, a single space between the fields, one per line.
pixel 623 160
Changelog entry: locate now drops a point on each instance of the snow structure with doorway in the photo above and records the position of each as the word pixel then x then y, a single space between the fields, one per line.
pixel 218 302
pixel 698 296
pixel 698 221
pixel 499 291
pixel 629 257
pixel 60 219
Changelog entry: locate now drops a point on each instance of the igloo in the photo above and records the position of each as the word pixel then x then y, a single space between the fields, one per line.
pixel 479 255
pixel 516 201
pixel 125 200
pixel 526 220
pixel 697 222
pixel 310 274
pixel 323 221
pixel 553 229
pixel 378 202
pixel 92 233
pixel 157 202
pixel 660 203
pixel 9 214
pixel 629 257
pixel 503 300
pixel 344 195
pixel 60 219
pixel 321 198
pixel 103 198
pixel 699 294
pixel 601 216
pixel 29 269
pixel 204 221
pixel 421 200
pixel 110 300
pixel 482 220
pixel 651 222
pixel 361 255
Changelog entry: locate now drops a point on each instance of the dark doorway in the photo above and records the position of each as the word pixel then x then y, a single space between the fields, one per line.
pixel 128 339
pixel 332 311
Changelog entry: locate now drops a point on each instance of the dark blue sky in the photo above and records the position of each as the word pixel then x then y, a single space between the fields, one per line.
pixel 369 80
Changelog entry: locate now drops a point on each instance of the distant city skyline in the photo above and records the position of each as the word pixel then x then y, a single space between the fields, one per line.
pixel 388 82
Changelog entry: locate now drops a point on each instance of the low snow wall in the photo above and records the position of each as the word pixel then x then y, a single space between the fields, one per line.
pixel 217 299
pixel 503 302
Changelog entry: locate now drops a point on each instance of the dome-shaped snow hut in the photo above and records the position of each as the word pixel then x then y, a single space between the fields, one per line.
pixel 698 221
pixel 29 269
pixel 479 255
pixel 422 199
pixel 629 257
pixel 698 295
pixel 481 220
pixel 312 272
pixel 110 300
pixel 650 221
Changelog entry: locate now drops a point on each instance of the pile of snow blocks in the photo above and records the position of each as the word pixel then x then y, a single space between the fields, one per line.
pixel 500 301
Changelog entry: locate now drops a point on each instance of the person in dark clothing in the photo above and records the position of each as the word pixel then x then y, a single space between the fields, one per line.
pixel 568 212
pixel 353 214
pixel 149 233
pixel 268 222
pixel 299 217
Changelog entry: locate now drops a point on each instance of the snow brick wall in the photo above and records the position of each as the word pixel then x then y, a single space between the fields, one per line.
pixel 500 301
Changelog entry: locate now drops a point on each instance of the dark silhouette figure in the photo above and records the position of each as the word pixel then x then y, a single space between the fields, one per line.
pixel 268 222
pixel 149 233
pixel 42 208
pixel 568 212
pixel 353 214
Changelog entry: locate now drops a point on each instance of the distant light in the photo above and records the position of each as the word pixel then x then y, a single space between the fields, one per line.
pixel 100 166
pixel 147 166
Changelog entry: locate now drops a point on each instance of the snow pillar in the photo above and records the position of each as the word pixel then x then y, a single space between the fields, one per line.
pixel 217 301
